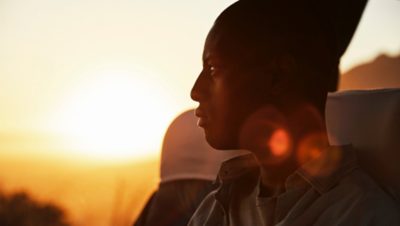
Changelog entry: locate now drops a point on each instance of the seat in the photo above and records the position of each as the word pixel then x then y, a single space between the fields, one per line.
pixel 370 121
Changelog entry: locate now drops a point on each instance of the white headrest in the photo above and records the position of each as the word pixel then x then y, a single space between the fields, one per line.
pixel 364 118
pixel 370 121
pixel 187 155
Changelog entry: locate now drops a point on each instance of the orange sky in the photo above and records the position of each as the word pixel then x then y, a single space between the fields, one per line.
pixel 87 89
pixel 107 77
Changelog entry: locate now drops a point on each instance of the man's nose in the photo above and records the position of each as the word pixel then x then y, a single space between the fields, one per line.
pixel 197 92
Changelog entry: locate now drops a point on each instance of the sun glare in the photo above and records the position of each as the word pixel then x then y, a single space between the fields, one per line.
pixel 114 116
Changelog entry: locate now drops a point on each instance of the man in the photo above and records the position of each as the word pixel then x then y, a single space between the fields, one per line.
pixel 267 68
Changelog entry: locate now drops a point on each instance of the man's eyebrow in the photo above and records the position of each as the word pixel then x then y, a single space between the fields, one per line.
pixel 207 56
pixel 207 59
pixel 212 58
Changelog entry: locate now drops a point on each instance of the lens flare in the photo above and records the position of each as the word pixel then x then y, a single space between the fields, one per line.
pixel 279 143
pixel 316 156
pixel 265 133
pixel 310 147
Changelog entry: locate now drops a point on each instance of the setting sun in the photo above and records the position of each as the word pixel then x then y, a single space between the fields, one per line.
pixel 114 115
pixel 88 89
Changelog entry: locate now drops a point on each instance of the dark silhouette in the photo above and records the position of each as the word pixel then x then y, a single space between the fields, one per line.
pixel 267 69
pixel 20 210
pixel 383 72
pixel 188 168
pixel 174 202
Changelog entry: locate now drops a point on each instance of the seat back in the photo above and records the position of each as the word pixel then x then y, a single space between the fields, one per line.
pixel 370 121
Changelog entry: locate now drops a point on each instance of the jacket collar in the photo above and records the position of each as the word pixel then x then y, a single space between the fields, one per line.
pixel 328 169
pixel 322 173
pixel 237 167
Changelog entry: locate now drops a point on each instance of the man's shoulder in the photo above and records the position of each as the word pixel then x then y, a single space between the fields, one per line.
pixel 370 193
pixel 355 200
pixel 347 193
pixel 363 196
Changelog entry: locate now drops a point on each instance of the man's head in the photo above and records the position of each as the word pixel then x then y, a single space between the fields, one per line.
pixel 262 53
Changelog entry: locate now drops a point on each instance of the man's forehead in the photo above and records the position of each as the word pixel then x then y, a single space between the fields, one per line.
pixel 223 47
pixel 242 31
pixel 211 45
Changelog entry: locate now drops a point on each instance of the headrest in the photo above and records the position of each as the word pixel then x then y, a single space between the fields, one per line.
pixel 370 121
pixel 364 118
pixel 187 155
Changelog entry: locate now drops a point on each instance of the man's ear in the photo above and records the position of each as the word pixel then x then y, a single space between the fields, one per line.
pixel 282 70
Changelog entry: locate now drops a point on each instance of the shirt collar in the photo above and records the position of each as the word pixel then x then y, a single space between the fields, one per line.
pixel 322 173
pixel 236 167
pixel 328 169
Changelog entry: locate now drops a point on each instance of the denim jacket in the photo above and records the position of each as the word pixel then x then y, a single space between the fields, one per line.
pixel 331 190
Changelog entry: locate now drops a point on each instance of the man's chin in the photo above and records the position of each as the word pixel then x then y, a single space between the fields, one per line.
pixel 221 143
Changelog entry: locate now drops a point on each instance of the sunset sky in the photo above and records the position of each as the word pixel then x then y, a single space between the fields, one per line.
pixel 101 80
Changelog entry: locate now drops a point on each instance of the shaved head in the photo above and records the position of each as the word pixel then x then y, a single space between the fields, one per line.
pixel 261 33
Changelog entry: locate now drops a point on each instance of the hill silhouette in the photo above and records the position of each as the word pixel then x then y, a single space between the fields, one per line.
pixel 383 72
pixel 19 209
pixel 90 195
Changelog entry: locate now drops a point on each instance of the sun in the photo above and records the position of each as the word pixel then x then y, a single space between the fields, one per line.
pixel 114 116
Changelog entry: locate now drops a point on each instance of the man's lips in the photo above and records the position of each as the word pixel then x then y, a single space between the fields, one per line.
pixel 202 117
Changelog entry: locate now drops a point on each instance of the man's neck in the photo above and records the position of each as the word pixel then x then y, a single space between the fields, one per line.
pixel 273 175
pixel 306 128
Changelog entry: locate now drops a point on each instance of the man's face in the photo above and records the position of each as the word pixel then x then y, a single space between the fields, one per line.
pixel 227 91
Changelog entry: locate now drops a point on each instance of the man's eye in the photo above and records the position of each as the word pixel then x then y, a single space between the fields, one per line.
pixel 212 70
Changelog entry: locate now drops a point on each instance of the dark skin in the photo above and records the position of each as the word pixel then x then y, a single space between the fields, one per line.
pixel 232 92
